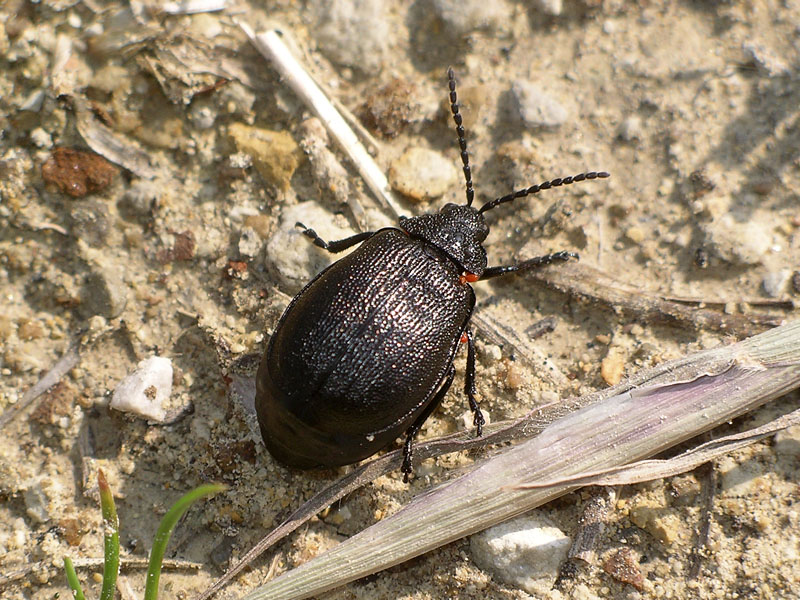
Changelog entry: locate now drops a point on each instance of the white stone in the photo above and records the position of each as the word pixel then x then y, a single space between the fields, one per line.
pixel 550 7
pixel 631 128
pixel 41 138
pixel 536 107
pixel 526 552
pixel 43 496
pixel 740 243
pixel 460 17
pixel 145 391
pixel 423 174
pixel 249 242
pixel 775 283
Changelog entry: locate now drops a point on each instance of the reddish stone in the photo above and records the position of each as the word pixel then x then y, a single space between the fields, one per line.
pixel 623 566
pixel 77 173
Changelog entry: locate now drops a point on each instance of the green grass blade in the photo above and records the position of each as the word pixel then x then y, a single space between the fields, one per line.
pixel 72 580
pixel 165 531
pixel 110 538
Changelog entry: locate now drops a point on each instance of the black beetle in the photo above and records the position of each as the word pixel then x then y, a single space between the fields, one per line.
pixel 365 351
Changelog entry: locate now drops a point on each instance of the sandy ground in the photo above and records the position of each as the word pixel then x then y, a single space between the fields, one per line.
pixel 692 106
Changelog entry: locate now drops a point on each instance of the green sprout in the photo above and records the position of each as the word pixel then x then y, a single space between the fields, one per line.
pixel 111 540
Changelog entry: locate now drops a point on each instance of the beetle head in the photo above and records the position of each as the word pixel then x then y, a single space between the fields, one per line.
pixel 457 230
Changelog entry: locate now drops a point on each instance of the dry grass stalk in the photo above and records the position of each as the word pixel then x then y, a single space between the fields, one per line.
pixel 675 401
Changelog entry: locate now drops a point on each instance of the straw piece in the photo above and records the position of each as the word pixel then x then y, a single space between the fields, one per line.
pixel 685 398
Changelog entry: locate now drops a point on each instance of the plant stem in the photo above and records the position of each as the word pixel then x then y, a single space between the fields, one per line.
pixel 165 531
pixel 72 580
pixel 110 538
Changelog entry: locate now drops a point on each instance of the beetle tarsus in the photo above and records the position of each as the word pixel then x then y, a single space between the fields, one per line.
pixel 530 264
pixel 478 421
pixel 406 469
pixel 338 245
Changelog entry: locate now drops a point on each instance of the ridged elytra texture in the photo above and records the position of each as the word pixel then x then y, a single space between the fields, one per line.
pixel 361 351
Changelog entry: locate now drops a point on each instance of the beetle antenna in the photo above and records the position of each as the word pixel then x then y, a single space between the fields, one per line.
pixel 534 189
pixel 462 141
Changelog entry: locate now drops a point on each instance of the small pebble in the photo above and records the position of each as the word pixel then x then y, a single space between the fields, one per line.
pixel 461 17
pixel 259 223
pixel 491 352
pixel 536 107
pixel 610 27
pixel 684 490
pixel 515 376
pixel 36 501
pixel 145 391
pixel 30 329
pixel 44 497
pixel 275 154
pixel 701 183
pixel 775 283
pixel 34 101
pixel 659 521
pixel 525 552
pixel 631 128
pixel 623 566
pixel 202 115
pixel 422 174
pixel 328 173
pixel 635 234
pixel 73 530
pixel 550 7
pixel 184 246
pixel 111 78
pixel 740 243
pixel 612 367
pixel 249 242
pixel 339 516
pixel 467 419
pixel 78 173
pixel 41 138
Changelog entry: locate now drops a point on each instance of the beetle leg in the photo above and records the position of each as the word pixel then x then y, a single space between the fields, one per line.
pixel 338 245
pixel 414 429
pixel 469 384
pixel 528 265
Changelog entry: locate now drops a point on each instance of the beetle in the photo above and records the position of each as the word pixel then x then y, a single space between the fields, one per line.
pixel 364 353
